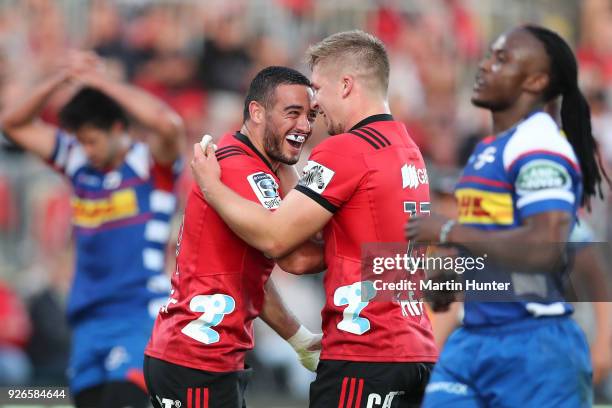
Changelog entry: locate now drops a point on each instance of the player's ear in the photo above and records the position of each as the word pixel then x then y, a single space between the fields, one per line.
pixel 347 85
pixel 536 83
pixel 256 112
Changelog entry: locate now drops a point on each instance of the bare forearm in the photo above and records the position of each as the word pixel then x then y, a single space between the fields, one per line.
pixel 590 268
pixel 27 110
pixel 307 258
pixel 275 313
pixel 145 108
pixel 603 312
pixel 521 247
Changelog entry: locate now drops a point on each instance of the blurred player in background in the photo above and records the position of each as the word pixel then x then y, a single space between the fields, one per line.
pixel 352 189
pixel 520 189
pixel 590 280
pixel 16 331
pixel 122 203
pixel 221 284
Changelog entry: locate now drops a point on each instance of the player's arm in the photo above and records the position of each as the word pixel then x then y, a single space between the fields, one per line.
pixel 165 124
pixel 590 267
pixel 546 211
pixel 601 354
pixel 309 257
pixel 538 243
pixel 275 233
pixel 21 124
pixel 276 315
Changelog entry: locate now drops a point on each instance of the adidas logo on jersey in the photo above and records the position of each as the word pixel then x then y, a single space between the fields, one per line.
pixel 413 177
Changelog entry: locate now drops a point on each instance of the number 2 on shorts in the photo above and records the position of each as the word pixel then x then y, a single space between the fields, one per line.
pixel 355 297
pixel 214 308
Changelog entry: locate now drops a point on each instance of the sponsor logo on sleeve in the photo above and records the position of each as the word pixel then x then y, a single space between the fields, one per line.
pixel 266 189
pixel 316 176
pixel 542 174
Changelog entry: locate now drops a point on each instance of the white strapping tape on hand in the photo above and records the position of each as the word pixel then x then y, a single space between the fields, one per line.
pixel 206 140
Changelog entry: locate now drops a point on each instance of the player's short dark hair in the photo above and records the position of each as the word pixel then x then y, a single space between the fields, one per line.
pixel 265 83
pixel 91 107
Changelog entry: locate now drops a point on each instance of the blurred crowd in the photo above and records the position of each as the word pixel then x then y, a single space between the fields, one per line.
pixel 199 56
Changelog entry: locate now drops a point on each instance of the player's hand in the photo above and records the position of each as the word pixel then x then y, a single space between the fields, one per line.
pixel 307 345
pixel 83 65
pixel 424 228
pixel 206 140
pixel 601 358
pixel 205 167
pixel 441 300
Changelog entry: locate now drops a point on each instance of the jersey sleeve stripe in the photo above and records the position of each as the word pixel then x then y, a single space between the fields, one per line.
pixel 230 154
pixel 379 134
pixel 229 148
pixel 547 152
pixel 367 139
pixel 372 135
pixel 318 198
pixel 544 195
pixel 485 181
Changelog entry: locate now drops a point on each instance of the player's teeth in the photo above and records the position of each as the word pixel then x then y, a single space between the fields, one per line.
pixel 296 138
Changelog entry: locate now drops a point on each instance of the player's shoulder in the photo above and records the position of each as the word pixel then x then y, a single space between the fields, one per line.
pixel 351 143
pixel 538 133
pixel 235 154
pixel 68 155
pixel 232 152
pixel 372 134
pixel 139 159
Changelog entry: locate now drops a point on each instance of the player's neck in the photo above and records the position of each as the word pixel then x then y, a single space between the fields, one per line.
pixel 366 110
pixel 119 156
pixel 508 118
pixel 257 142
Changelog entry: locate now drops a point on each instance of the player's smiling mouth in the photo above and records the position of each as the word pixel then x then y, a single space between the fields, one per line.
pixel 296 140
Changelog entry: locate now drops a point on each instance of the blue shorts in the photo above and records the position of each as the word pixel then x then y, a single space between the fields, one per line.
pixel 533 363
pixel 105 350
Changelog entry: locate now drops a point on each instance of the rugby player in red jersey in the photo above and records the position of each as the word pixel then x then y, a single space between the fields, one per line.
pixel 221 284
pixel 358 188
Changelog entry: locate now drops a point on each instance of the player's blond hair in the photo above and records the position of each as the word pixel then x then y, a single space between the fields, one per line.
pixel 360 51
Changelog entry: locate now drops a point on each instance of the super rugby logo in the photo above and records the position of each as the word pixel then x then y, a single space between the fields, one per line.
pixel 266 189
pixel 316 176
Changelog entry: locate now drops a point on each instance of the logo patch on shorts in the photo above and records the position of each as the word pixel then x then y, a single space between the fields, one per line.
pixel 266 189
pixel 316 176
